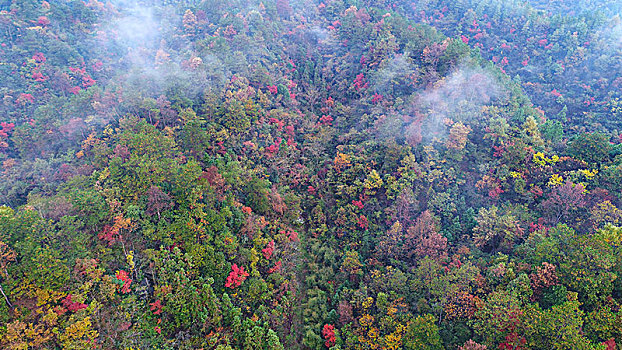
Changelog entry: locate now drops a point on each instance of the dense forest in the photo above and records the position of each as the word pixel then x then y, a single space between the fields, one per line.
pixel 310 174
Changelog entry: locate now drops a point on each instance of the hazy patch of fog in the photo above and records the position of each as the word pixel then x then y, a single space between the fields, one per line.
pixel 137 28
pixel 150 67
pixel 611 34
pixel 323 37
pixel 395 71
pixel 426 116
pixel 457 97
pixel 461 95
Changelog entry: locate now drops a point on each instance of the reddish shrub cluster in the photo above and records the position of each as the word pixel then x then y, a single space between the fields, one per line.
pixel 328 332
pixel 276 268
pixel 156 307
pixel 360 83
pixel 73 306
pixel 268 250
pixel 236 276
pixel 125 278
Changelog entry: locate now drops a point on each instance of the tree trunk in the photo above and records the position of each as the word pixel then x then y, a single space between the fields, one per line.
pixel 6 298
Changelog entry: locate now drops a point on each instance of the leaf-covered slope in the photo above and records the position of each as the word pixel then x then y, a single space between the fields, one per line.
pixel 240 175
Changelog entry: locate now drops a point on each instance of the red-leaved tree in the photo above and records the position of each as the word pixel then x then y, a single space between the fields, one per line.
pixel 236 276
pixel 563 202
pixel 328 332
pixel 423 239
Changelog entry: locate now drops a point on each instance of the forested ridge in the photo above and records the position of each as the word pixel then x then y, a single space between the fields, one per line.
pixel 342 174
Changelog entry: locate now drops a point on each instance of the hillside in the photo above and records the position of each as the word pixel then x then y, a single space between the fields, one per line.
pixel 310 175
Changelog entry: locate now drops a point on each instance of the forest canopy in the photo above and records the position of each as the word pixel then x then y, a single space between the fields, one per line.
pixel 298 174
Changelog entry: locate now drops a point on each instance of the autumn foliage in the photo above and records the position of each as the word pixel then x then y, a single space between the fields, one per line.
pixel 236 276
pixel 285 175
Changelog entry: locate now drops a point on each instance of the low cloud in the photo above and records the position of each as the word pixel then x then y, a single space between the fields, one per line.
pixel 458 97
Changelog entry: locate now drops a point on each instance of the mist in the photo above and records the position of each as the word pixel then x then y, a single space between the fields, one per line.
pixel 461 95
pixel 154 55
pixel 308 175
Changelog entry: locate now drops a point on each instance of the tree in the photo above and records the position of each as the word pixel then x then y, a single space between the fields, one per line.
pixel 7 255
pixel 236 276
pixel 423 239
pixel 458 136
pixel 471 345
pixel 391 244
pixel 544 277
pixel 592 148
pixel 328 333
pixel 563 202
pixel 532 133
pixel 190 22
pixel 500 320
pixel 422 333
pixel 496 231
pixel 559 327
pixel 603 324
pixel 157 201
pixel 352 264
